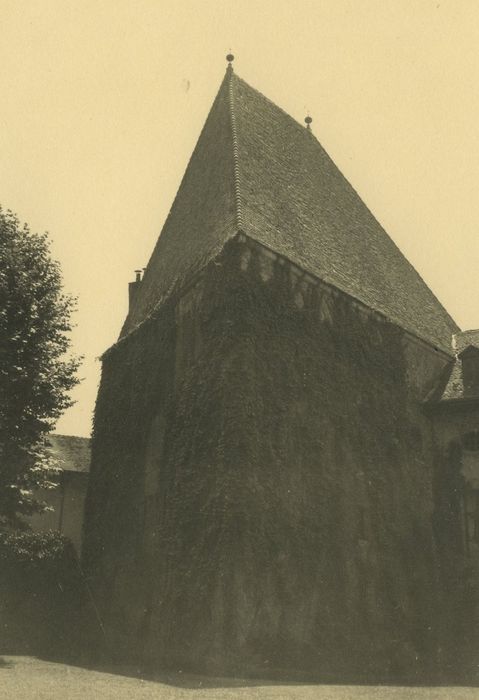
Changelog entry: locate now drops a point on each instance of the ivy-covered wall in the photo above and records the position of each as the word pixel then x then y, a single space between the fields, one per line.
pixel 293 526
pixel 137 383
pixel 458 549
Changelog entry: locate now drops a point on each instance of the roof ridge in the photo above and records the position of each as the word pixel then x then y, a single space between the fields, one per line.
pixel 315 143
pixel 234 136
pixel 65 435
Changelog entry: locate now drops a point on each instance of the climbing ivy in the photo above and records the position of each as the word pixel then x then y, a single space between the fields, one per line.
pixel 294 495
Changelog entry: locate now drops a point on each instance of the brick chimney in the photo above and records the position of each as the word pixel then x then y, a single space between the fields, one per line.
pixel 133 289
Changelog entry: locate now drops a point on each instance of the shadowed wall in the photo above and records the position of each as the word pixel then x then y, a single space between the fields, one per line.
pixel 261 485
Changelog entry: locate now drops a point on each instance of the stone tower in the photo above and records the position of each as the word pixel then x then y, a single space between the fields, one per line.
pixel 262 480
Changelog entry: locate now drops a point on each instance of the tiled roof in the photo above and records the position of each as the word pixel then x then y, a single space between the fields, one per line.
pixel 465 339
pixel 257 170
pixel 451 386
pixel 202 218
pixel 454 388
pixel 72 452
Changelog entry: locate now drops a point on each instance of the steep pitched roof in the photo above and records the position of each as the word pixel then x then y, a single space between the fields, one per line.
pixel 202 218
pixel 257 170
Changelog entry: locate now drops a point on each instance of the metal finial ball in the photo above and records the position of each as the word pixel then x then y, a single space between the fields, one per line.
pixel 308 120
pixel 230 58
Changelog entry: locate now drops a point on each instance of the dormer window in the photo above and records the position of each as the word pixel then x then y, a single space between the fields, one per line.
pixel 470 370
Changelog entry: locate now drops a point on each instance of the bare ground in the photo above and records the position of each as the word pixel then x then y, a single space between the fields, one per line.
pixel 26 677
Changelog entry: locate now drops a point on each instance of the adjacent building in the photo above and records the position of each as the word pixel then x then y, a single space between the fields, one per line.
pixel 66 502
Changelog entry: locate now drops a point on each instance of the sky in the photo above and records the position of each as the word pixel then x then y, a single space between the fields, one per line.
pixel 102 103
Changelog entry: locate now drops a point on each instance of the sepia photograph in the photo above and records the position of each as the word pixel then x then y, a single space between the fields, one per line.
pixel 239 349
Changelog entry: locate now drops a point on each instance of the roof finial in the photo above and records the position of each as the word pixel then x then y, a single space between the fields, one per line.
pixel 308 121
pixel 230 58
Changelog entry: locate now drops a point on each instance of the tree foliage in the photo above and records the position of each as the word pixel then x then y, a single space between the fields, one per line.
pixel 36 373
pixel 34 547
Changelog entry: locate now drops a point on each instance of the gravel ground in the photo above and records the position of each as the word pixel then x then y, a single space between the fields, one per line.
pixel 26 677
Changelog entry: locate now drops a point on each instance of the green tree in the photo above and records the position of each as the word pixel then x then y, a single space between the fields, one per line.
pixel 36 373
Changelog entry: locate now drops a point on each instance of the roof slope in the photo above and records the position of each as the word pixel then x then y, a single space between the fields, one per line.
pixel 291 198
pixel 71 451
pixel 202 218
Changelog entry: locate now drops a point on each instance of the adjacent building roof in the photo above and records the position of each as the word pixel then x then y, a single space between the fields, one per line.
pixel 451 386
pixel 465 339
pixel 71 452
pixel 256 170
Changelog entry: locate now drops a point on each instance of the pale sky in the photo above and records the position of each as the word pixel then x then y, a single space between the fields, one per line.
pixel 102 102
